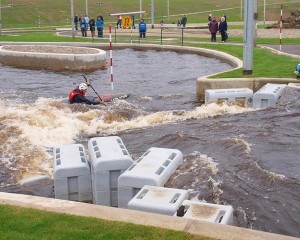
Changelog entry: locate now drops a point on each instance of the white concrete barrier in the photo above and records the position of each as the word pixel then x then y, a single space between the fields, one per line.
pixel 294 85
pixel 153 168
pixel 72 176
pixel 109 159
pixel 268 95
pixel 208 212
pixel 159 200
pixel 244 95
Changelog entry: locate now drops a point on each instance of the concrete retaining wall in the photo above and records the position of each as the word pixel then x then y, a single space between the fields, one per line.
pixel 51 60
pixel 204 83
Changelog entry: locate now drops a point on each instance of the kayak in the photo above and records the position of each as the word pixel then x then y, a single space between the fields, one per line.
pixel 109 97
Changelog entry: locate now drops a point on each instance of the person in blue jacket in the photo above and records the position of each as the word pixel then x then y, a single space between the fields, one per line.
pixel 223 29
pixel 297 71
pixel 99 25
pixel 142 28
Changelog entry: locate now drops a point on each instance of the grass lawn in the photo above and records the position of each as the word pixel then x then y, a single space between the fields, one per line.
pixel 34 13
pixel 25 223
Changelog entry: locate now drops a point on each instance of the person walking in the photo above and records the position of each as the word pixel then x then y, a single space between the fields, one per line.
pixel 142 29
pixel 92 26
pixel 213 28
pixel 99 25
pixel 223 29
pixel 184 21
pixel 76 22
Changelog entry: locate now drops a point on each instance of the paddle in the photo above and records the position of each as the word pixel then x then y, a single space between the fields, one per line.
pixel 93 88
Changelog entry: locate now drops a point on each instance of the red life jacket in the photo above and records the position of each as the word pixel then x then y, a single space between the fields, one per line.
pixel 73 93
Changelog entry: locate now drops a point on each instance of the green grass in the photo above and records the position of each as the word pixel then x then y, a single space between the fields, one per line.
pixel 25 223
pixel 265 63
pixel 28 13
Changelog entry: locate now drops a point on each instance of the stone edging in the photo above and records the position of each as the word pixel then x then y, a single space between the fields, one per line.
pixel 90 59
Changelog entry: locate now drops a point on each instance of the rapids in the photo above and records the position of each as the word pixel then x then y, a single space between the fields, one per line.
pixel 232 154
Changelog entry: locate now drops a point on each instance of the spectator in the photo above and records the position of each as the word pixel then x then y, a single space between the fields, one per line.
pixel 87 20
pixel 142 28
pixel 83 27
pixel 209 18
pixel 99 24
pixel 119 21
pixel 92 27
pixel 223 29
pixel 76 22
pixel 132 18
pixel 179 23
pixel 213 28
pixel 184 21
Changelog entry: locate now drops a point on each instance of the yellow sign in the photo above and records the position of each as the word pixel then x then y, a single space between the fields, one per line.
pixel 126 22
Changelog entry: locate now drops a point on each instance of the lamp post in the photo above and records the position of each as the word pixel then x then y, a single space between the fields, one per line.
pixel 152 13
pixel 168 7
pixel 72 18
pixel 86 8
pixel 248 37
pixel 141 9
pixel 0 20
pixel 264 12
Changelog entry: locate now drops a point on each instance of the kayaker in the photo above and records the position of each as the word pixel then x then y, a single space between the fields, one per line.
pixel 77 95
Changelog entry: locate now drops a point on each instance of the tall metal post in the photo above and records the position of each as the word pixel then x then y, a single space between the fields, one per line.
pixel 255 21
pixel 72 18
pixel 248 37
pixel 152 13
pixel 264 12
pixel 141 9
pixel 168 13
pixel 241 10
pixel 86 8
pixel 0 19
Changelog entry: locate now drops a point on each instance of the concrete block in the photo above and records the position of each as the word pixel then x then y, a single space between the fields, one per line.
pixel 153 168
pixel 294 85
pixel 244 95
pixel 72 176
pixel 109 159
pixel 209 212
pixel 268 95
pixel 159 200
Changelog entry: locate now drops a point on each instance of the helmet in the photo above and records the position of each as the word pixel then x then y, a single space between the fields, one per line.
pixel 83 86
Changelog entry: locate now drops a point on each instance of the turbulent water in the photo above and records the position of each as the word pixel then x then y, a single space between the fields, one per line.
pixel 232 154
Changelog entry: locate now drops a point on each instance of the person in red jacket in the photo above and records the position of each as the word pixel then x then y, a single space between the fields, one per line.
pixel 77 95
pixel 213 28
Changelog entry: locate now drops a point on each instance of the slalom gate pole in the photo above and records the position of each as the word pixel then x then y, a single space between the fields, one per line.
pixel 280 37
pixel 111 65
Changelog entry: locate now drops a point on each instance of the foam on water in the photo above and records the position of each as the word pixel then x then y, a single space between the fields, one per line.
pixel 28 128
